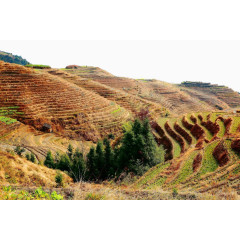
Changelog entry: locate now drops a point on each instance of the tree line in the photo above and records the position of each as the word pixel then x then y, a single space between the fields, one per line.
pixel 136 152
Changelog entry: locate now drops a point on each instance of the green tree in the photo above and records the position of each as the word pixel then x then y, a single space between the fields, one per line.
pixel 139 151
pixel 32 158
pixel 59 179
pixel 49 162
pixel 91 164
pixel 99 160
pixel 70 151
pixel 28 156
pixel 109 169
pixel 78 166
pixel 64 163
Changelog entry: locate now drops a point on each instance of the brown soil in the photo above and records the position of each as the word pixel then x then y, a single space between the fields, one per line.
pixel 221 154
pixel 197 162
pixel 197 131
pixel 236 145
pixel 183 133
pixel 175 136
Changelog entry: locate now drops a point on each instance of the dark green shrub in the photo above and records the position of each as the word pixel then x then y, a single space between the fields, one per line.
pixel 49 162
pixel 32 158
pixel 59 179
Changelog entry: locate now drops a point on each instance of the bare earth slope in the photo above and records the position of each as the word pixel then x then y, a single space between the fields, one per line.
pixel 66 107
pixel 176 98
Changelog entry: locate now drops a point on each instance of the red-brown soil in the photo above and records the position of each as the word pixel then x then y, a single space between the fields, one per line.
pixel 163 140
pixel 197 162
pixel 175 136
pixel 236 145
pixel 183 133
pixel 221 154
pixel 186 124
pixel 197 131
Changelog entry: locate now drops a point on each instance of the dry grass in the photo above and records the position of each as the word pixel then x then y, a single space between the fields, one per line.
pixel 19 171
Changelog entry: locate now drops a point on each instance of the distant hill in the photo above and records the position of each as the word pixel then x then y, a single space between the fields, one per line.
pixel 10 58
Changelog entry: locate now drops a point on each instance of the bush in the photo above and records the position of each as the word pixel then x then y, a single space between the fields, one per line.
pixel 49 162
pixel 18 150
pixel 175 192
pixel 59 179
pixel 32 158
pixel 28 156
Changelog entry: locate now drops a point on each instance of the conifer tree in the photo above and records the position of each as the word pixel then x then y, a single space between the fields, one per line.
pixel 32 158
pixel 91 164
pixel 109 160
pixel 70 151
pixel 100 163
pixel 49 160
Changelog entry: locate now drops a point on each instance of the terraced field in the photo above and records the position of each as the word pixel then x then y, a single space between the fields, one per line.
pixel 209 164
pixel 65 108
pixel 198 125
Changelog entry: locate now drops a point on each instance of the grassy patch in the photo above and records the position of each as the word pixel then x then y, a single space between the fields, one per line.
pixel 187 168
pixel 38 66
pixel 235 124
pixel 116 110
pixel 7 120
pixel 222 128
pixel 152 173
pixel 8 193
pixel 209 163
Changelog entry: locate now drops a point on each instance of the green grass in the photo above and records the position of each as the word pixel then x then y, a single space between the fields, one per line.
pixel 187 168
pixel 209 163
pixel 37 66
pixel 160 181
pixel 235 124
pixel 152 173
pixel 222 128
pixel 116 110
pixel 7 112
pixel 7 120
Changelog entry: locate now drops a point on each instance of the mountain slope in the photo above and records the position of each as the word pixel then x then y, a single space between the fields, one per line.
pixel 208 165
pixel 52 102
pixel 176 98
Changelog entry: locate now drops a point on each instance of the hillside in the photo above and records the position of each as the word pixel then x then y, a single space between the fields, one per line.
pixel 54 104
pixel 10 58
pixel 15 170
pixel 175 98
pixel 197 124
pixel 223 93
pixel 206 154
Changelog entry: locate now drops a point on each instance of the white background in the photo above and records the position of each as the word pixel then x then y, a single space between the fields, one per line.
pixel 122 20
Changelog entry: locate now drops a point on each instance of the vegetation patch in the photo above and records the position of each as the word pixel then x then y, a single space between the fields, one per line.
pixel 187 168
pixel 7 120
pixel 38 66
pixel 9 193
pixel 209 163
pixel 235 124
pixel 153 173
